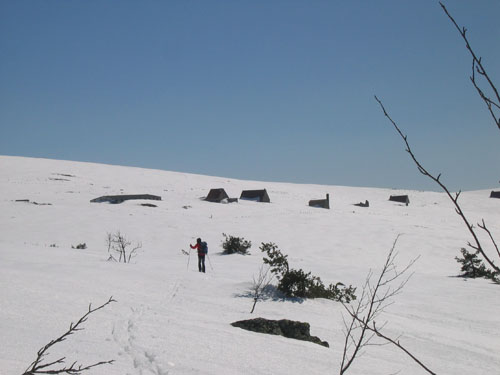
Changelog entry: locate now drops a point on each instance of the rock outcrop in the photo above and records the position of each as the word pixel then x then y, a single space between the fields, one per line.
pixel 284 327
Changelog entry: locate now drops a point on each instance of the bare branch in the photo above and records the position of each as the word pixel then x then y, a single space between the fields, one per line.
pixel 38 367
pixel 424 171
pixel 477 66
pixel 373 301
pixel 483 227
pixel 133 252
pixel 396 342
pixel 118 243
pixel 260 284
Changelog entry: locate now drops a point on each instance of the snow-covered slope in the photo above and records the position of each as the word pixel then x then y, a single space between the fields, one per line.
pixel 170 319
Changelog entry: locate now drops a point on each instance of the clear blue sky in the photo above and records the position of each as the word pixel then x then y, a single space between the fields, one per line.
pixel 278 90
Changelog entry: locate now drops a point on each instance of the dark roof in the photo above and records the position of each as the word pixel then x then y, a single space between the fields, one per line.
pixel 361 204
pixel 255 195
pixel 400 198
pixel 321 203
pixel 495 194
pixel 216 195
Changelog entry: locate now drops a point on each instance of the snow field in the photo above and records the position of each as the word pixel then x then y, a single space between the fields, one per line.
pixel 170 319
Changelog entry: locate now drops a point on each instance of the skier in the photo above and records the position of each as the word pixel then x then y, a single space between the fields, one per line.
pixel 202 251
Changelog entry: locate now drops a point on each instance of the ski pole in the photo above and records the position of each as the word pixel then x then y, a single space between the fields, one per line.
pixel 189 257
pixel 210 262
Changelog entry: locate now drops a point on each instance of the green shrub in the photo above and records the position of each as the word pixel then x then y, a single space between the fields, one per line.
pixel 237 245
pixel 474 267
pixel 297 283
pixel 276 260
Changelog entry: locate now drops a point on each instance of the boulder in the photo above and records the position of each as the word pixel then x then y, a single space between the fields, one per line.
pixel 284 327
pixel 117 199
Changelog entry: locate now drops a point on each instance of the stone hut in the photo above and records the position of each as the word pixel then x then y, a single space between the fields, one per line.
pixel 361 204
pixel 400 198
pixel 216 195
pixel 495 194
pixel 321 203
pixel 255 195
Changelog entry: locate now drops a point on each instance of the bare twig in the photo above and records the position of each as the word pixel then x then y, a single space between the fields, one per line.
pixel 375 298
pixel 477 67
pixel 454 199
pixel 397 344
pixel 377 331
pixel 260 284
pixel 483 227
pixel 133 252
pixel 120 244
pixel 39 367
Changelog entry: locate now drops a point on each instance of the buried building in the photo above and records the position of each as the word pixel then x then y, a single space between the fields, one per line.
pixel 216 195
pixel 321 203
pixel 361 204
pixel 219 196
pixel 400 198
pixel 495 194
pixel 255 195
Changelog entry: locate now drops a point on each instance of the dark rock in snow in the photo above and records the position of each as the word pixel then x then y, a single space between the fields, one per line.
pixel 284 327
pixel 116 199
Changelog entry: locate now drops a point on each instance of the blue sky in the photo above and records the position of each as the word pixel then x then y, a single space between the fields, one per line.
pixel 266 90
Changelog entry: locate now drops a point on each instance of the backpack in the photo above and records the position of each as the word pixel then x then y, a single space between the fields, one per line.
pixel 204 247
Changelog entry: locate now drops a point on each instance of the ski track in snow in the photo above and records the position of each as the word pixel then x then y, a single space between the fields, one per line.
pixel 145 360
pixel 125 334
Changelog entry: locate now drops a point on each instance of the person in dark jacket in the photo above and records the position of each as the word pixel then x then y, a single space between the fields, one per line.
pixel 201 254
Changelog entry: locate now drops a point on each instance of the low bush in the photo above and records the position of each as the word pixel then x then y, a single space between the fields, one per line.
pixel 232 245
pixel 297 283
pixel 473 267
pixel 119 245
